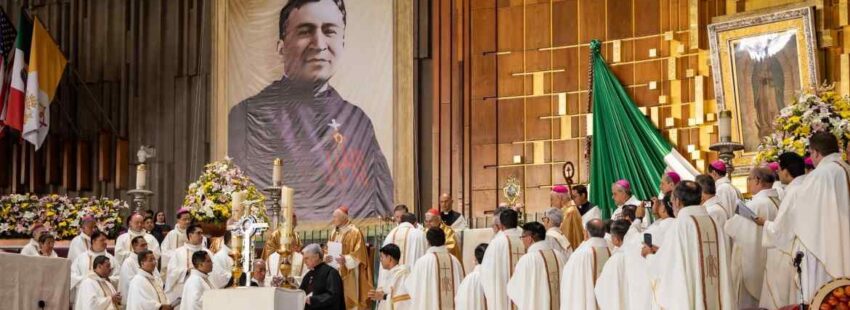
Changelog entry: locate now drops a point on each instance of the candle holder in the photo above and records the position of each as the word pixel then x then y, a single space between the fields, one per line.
pixel 140 198
pixel 273 205
pixel 725 146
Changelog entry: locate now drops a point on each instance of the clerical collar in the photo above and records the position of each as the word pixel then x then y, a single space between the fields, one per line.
pixel 197 272
pixel 146 274
pixel 397 268
pixel 301 88
pixel 437 249
pixel 193 247
pixel 539 246
pixel 722 180
pixel 96 254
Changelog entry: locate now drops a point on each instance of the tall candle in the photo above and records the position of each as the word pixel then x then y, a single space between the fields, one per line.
pixel 277 172
pixel 141 176
pixel 236 202
pixel 724 126
pixel 286 199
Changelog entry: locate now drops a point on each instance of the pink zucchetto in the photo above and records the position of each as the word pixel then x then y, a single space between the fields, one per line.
pixel 560 189
pixel 624 184
pixel 719 165
pixel 343 209
pixel 182 210
pixel 674 177
pixel 773 166
pixel 809 162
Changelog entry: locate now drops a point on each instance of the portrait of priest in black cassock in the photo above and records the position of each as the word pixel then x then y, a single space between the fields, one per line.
pixel 330 154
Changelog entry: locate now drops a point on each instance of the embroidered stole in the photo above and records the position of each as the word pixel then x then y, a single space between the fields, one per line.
pixel 553 275
pixel 396 298
pixel 160 294
pixel 709 261
pixel 517 250
pixel 401 243
pixel 107 289
pixel 445 282
pixel 600 256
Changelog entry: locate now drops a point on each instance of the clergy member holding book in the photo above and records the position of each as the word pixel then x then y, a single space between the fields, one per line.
pixel 353 263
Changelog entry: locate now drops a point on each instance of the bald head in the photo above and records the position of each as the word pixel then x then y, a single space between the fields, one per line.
pixel 136 221
pixel 339 218
pixel 445 202
pixel 595 228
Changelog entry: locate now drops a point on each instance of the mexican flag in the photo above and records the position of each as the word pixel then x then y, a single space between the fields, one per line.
pixel 625 144
pixel 47 63
pixel 15 101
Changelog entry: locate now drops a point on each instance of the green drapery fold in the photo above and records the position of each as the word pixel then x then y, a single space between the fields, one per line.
pixel 625 144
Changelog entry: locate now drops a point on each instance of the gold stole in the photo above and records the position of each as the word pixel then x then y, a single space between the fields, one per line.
pixel 107 290
pixel 775 201
pixel 516 251
pixel 160 295
pixel 709 253
pixel 401 243
pixel 600 256
pixel 396 298
pixel 553 274
pixel 445 282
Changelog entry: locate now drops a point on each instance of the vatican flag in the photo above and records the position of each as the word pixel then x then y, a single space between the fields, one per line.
pixel 47 63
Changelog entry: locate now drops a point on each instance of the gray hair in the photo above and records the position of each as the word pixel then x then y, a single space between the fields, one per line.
pixel 313 248
pixel 555 216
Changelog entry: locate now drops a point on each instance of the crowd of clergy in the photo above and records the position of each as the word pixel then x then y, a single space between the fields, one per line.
pixel 698 245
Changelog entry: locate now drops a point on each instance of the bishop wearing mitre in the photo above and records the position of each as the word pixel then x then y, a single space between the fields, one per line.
pixel 433 220
pixel 500 259
pixel 353 264
pixel 434 280
pixel 581 271
pixel 535 282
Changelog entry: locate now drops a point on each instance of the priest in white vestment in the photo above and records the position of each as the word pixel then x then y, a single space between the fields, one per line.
pixel 780 286
pixel 815 221
pixel 95 291
pixel 82 242
pixel 410 241
pixel 582 269
pixel 33 248
pixel 469 295
pixel 198 281
pixel 45 245
pixel 130 267
pixel 434 279
pixel 500 259
pixel 146 289
pixel 727 194
pixel 621 192
pixel 534 284
pixel 552 221
pixel 688 270
pixel 180 265
pixel 391 293
pixel 123 248
pixel 222 263
pixel 176 237
pixel 710 201
pixel 747 261
pixel 84 263
pixel 623 283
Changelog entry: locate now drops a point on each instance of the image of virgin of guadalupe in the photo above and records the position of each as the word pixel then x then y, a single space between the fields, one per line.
pixel 330 154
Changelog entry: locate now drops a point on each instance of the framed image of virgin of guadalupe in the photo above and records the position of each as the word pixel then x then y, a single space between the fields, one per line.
pixel 760 61
pixel 324 85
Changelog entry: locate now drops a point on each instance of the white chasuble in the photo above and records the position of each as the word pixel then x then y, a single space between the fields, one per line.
pixel 410 241
pixel 497 266
pixel 146 292
pixel 434 280
pixel 79 245
pixel 780 287
pixel 124 247
pixel 536 281
pixel 747 261
pixel 95 293
pixel 193 291
pixel 392 284
pixel 82 266
pixel 179 267
pixel 580 273
pixel 727 195
pixel 470 296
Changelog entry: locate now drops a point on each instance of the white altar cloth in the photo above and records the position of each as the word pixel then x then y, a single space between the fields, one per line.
pixel 254 298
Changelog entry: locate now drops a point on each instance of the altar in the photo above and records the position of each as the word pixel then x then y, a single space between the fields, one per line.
pixel 255 298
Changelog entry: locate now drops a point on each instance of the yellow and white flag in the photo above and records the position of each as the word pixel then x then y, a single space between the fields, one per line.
pixel 47 63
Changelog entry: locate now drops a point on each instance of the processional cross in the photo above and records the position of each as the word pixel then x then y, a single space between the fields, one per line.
pixel 246 228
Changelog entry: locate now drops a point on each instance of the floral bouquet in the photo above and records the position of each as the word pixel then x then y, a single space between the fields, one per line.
pixel 61 214
pixel 209 198
pixel 106 212
pixel 17 214
pixel 811 112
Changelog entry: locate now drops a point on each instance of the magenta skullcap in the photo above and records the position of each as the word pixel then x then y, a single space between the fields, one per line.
pixel 182 210
pixel 773 166
pixel 674 177
pixel 719 165
pixel 560 189
pixel 809 162
pixel 624 184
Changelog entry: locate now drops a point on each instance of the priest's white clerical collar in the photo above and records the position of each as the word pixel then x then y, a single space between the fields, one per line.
pixel 96 254
pixel 539 246
pixel 398 267
pixel 193 247
pixel 199 273
pixel 437 249
pixel 146 274
pixel 136 232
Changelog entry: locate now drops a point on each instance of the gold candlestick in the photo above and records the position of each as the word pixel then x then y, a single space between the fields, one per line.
pixel 236 255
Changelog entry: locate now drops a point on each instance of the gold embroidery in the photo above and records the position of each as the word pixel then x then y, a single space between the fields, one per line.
pixel 553 274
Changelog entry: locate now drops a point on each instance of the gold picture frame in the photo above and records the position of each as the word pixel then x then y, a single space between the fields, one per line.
pixel 760 60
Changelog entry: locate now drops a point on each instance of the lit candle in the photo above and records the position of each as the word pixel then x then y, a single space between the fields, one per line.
pixel 141 176
pixel 724 124
pixel 277 172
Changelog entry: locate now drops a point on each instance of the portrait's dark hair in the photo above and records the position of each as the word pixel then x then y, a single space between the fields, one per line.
pixel 630 212
pixel 689 193
pixel 509 218
pixel 99 260
pixel 408 218
pixel 198 258
pixel 595 228
pixel 706 182
pixel 619 228
pixel 721 173
pixel 136 240
pixel 292 5
pixel 580 189
pixel 823 142
pixel 435 237
pixel 402 208
pixel 97 234
pixel 536 230
pixel 144 254
pixel 793 163
pixel 391 250
pixel 479 252
pixel 191 229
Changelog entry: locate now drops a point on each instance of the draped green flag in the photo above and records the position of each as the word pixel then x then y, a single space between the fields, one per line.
pixel 625 144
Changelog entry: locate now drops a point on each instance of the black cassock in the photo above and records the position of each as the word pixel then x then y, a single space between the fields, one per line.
pixel 326 285
pixel 328 146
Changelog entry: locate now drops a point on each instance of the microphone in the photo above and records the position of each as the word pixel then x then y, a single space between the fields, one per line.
pixel 798 259
pixel 42 304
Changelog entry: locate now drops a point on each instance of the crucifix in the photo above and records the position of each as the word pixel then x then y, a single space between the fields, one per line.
pixel 245 229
